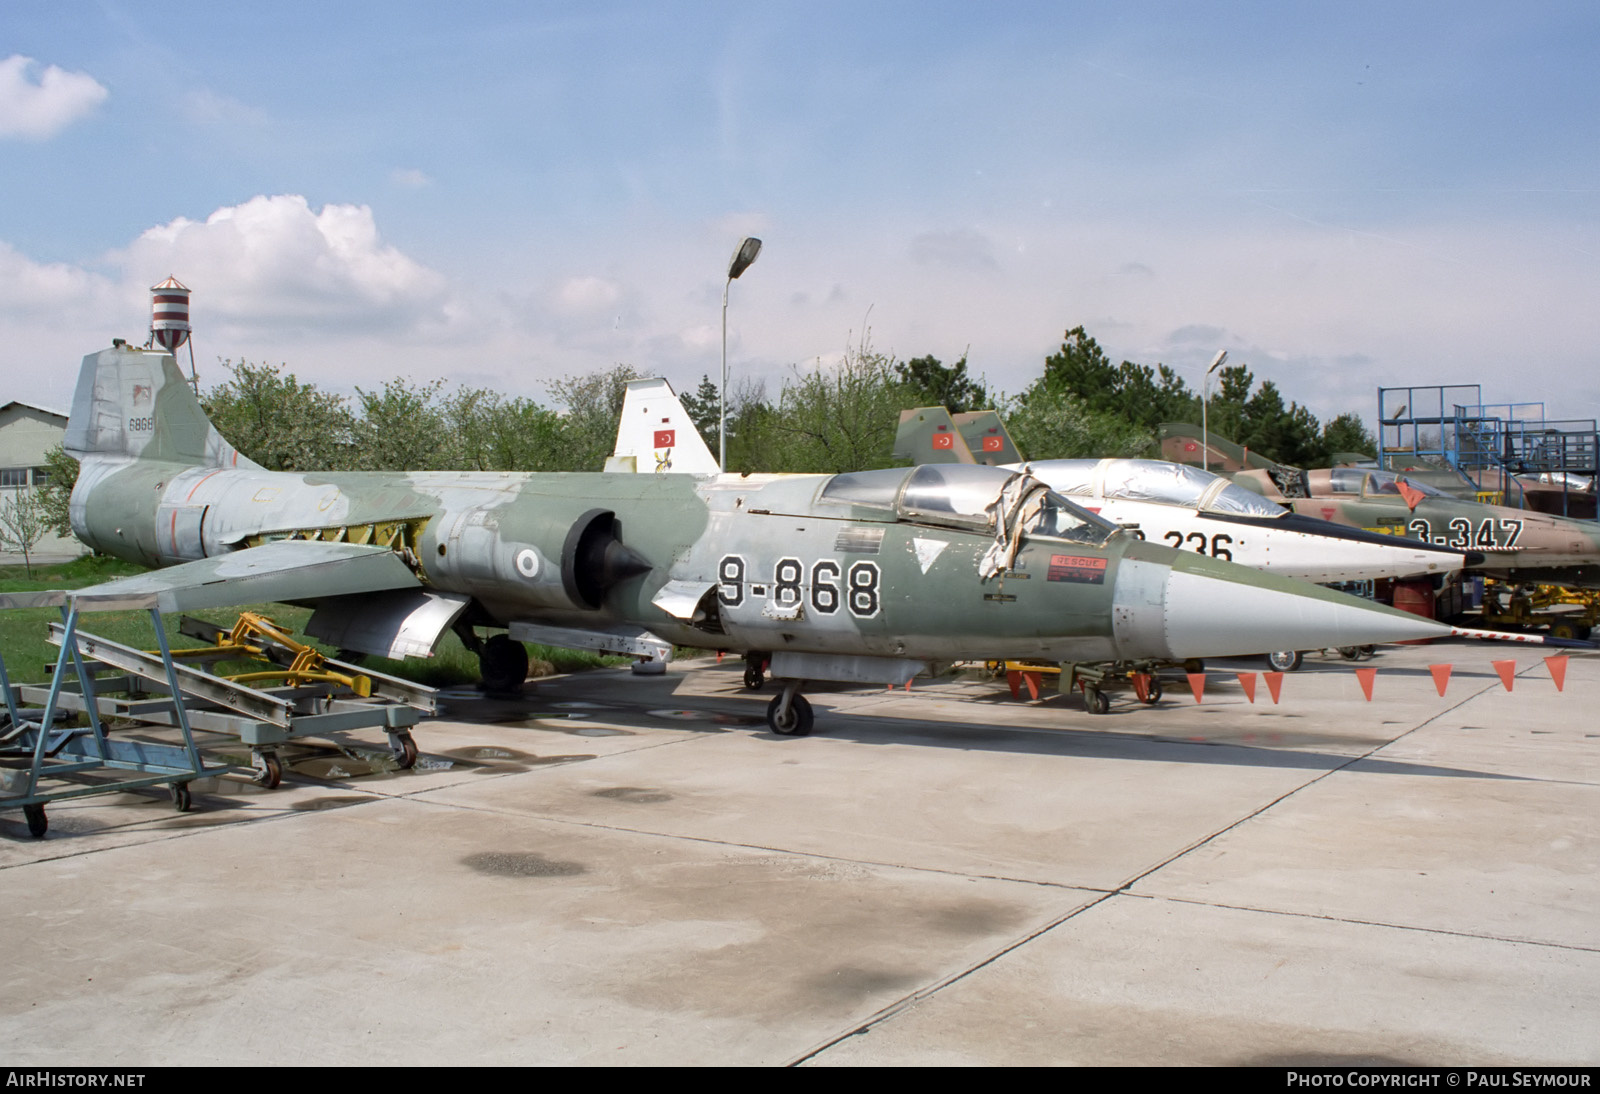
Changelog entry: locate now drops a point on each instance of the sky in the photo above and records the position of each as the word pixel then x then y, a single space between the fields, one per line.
pixel 1341 195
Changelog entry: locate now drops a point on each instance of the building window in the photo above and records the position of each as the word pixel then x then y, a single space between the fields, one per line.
pixel 41 475
pixel 13 476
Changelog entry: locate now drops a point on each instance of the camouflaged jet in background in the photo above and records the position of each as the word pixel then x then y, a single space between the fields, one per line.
pixel 865 577
pixel 1517 545
pixel 1190 509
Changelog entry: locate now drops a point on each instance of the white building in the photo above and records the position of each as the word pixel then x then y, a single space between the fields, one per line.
pixel 27 432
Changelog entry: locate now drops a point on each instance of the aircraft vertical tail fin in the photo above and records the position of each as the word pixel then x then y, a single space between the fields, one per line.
pixel 134 403
pixel 929 435
pixel 987 437
pixel 656 434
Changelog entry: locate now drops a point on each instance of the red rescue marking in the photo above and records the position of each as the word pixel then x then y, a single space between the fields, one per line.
pixel 1081 569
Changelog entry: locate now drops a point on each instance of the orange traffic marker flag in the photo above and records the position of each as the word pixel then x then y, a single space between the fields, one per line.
pixel 1558 669
pixel 1247 680
pixel 1274 684
pixel 1441 676
pixel 1367 676
pixel 1507 671
pixel 1197 684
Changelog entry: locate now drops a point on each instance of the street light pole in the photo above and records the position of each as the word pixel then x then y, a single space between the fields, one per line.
pixel 1205 405
pixel 743 256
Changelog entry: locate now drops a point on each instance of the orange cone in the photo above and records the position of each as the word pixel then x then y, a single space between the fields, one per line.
pixel 1274 684
pixel 1367 676
pixel 1507 671
pixel 1558 669
pixel 1197 684
pixel 1247 680
pixel 1441 676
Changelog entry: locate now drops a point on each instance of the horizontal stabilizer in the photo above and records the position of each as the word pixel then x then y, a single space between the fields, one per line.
pixel 286 570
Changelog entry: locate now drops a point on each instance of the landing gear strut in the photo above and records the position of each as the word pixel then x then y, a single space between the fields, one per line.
pixel 755 669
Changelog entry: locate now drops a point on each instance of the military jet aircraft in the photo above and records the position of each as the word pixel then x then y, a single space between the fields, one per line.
pixel 865 577
pixel 1517 545
pixel 1198 511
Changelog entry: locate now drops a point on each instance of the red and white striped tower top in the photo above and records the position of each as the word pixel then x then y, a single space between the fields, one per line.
pixel 169 314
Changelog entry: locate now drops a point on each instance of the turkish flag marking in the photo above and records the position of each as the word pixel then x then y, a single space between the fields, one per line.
pixel 992 444
pixel 665 438
pixel 944 440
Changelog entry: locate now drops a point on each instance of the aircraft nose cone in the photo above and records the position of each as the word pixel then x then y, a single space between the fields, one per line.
pixel 1243 612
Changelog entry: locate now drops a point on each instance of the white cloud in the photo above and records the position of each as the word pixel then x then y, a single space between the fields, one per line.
pixel 41 109
pixel 410 177
pixel 584 295
pixel 273 262
pixel 962 248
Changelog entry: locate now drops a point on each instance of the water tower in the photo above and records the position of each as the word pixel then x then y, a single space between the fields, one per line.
pixel 169 321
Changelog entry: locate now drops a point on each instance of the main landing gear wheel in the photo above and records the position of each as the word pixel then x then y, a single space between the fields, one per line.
pixel 404 747
pixel 1284 660
pixel 38 823
pixel 1357 653
pixel 268 772
pixel 1096 701
pixel 503 664
pixel 793 722
pixel 182 799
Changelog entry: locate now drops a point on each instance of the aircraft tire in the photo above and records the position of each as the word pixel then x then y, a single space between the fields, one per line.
pixel 1152 691
pixel 1284 660
pixel 798 724
pixel 503 664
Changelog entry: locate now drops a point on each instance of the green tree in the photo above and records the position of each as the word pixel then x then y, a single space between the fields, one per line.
pixel 402 427
pixel 1053 424
pixel 702 406
pixel 594 409
pixel 23 523
pixel 927 382
pixel 1138 394
pixel 1346 433
pixel 280 423
pixel 492 433
pixel 834 419
pixel 55 495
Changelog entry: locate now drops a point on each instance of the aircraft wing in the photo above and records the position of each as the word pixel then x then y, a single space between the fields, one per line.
pixel 286 570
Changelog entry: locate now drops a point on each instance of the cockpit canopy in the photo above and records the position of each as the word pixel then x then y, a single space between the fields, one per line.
pixel 1152 481
pixel 963 496
pixel 1372 484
